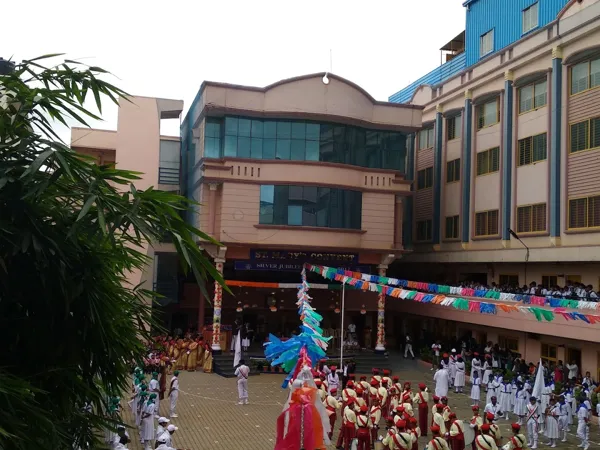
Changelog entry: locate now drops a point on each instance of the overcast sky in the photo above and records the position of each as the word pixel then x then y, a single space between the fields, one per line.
pixel 166 49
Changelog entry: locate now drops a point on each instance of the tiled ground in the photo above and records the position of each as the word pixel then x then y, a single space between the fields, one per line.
pixel 209 417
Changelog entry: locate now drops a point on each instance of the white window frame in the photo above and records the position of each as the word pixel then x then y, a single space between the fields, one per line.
pixel 486 38
pixel 530 18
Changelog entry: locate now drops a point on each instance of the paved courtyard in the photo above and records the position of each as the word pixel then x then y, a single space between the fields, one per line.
pixel 210 418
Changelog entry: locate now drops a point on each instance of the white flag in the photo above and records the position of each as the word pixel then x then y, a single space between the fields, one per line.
pixel 539 382
pixel 238 349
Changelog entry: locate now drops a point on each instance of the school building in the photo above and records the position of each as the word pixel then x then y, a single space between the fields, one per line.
pixel 505 167
pixel 424 187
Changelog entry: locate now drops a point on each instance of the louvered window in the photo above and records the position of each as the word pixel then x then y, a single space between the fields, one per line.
pixel 532 149
pixel 486 223
pixel 531 218
pixel 488 161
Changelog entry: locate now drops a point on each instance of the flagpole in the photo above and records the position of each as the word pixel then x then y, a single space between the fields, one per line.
pixel 342 331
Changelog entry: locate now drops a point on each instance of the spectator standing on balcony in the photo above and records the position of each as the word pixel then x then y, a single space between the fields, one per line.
pixel 408 347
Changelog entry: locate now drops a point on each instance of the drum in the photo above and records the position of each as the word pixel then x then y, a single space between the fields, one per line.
pixel 469 435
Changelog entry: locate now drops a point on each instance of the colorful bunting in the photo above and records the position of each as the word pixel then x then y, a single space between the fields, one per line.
pixel 465 292
pixel 358 281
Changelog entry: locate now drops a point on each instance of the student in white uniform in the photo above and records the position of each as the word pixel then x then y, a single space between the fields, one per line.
pixel 154 388
pixel 162 426
pixel 242 372
pixel 505 395
pixel 174 393
pixel 531 420
pixel 452 364
pixel 563 419
pixel 459 375
pixel 147 429
pixel 475 391
pixel 583 427
pixel 552 427
pixel 441 379
pixel 520 408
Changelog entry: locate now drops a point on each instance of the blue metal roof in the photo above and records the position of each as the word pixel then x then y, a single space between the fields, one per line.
pixel 437 75
pixel 505 17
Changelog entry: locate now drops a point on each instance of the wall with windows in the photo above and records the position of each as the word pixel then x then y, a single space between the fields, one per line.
pixel 297 140
pixel 306 215
pixel 423 227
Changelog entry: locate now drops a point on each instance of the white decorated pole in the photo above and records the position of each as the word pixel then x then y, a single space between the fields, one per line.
pixel 342 331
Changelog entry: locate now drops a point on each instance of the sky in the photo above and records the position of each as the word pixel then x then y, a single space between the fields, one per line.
pixel 166 49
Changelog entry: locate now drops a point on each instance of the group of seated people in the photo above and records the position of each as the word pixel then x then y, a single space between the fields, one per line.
pixel 571 291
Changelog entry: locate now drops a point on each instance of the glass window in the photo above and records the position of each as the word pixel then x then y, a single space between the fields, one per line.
pixel 230 146
pixel 526 98
pixel 270 129
pixel 313 131
pixel 549 353
pixel 284 130
pixel 267 193
pixel 584 212
pixel 310 206
pixel 426 138
pixel 425 178
pixel 488 161
pixel 244 127
pixel 256 148
pixel 243 147
pixel 531 218
pixel 541 94
pixel 424 230
pixel 453 127
pixel 453 171
pixel 488 114
pixel 452 227
pixel 595 73
pixel 549 281
pixel 298 130
pixel 506 342
pixel 509 280
pixel 257 128
pixel 530 18
pixel 269 148
pixel 284 147
pixel 486 43
pixel 532 149
pixel 231 126
pixel 580 77
pixel 580 136
pixel 306 141
pixel 297 150
pixel 486 223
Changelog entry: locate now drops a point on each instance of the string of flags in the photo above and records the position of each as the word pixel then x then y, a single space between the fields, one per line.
pixel 468 292
pixel 370 283
pixel 305 349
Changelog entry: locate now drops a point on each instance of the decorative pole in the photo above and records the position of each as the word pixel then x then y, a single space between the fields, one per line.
pixel 217 302
pixel 380 345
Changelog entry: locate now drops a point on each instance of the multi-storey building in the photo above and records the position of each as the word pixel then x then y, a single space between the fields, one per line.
pixel 309 169
pixel 505 168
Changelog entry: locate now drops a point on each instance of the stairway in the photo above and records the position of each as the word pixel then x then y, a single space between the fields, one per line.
pixel 366 361
pixel 223 365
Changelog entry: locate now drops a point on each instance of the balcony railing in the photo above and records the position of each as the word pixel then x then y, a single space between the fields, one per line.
pixel 168 291
pixel 168 175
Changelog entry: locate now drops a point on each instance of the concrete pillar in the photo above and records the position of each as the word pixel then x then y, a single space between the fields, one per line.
pixel 437 176
pixel 466 170
pixel 212 208
pixel 380 345
pixel 555 141
pixel 507 157
pixel 407 225
pixel 217 301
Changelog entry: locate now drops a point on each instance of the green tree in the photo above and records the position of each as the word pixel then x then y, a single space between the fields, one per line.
pixel 70 232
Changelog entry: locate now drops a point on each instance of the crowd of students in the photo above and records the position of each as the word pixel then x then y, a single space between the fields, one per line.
pixel 570 291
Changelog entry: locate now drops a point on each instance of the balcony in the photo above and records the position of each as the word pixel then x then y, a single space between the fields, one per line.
pixel 436 76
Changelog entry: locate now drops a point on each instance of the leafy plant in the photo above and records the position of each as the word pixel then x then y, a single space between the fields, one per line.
pixel 70 233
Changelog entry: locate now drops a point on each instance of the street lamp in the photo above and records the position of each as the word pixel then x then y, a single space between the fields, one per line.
pixel 516 236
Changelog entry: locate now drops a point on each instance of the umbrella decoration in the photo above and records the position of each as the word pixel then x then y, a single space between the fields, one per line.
pixel 304 349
